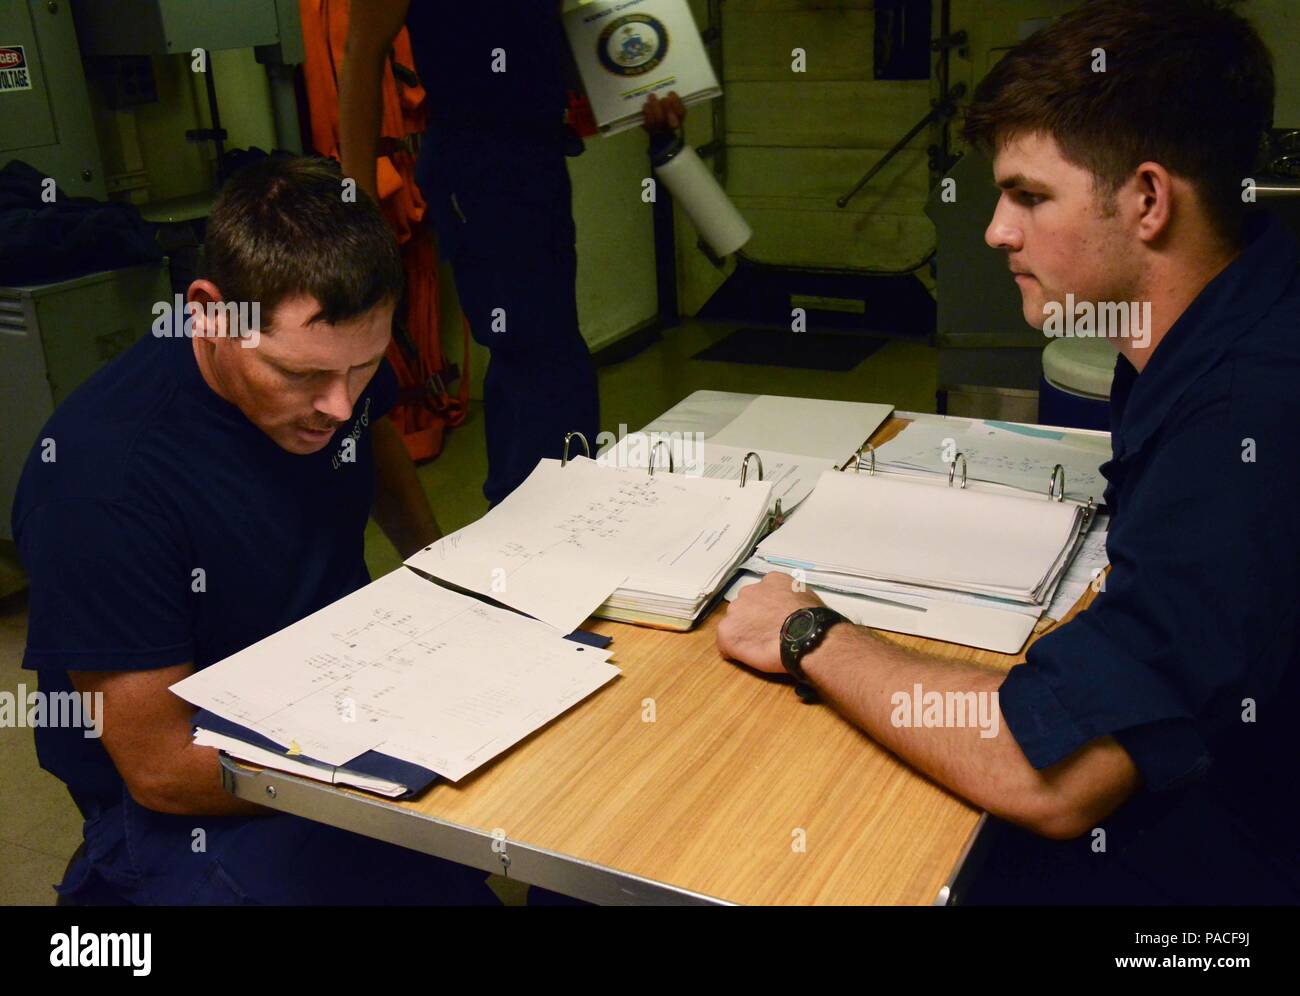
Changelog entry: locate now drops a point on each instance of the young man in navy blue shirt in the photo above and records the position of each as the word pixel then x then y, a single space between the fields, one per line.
pixel 1144 751
pixel 202 491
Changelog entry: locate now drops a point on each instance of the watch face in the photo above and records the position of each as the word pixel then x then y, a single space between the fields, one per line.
pixel 799 625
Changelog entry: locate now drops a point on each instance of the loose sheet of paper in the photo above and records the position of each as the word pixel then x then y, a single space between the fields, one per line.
pixel 406 668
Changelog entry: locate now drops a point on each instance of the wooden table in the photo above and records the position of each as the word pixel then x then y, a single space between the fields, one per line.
pixel 688 779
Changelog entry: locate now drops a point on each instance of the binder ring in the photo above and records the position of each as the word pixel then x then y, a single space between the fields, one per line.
pixel 654 450
pixel 952 469
pixel 1089 511
pixel 564 457
pixel 744 467
pixel 1058 473
pixel 871 466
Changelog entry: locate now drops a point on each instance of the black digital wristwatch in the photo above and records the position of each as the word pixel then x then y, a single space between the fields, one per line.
pixel 802 631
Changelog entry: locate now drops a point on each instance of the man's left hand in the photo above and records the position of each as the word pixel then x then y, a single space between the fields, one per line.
pixel 750 632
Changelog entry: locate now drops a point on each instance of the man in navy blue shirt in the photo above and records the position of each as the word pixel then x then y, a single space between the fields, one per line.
pixel 204 490
pixel 1144 751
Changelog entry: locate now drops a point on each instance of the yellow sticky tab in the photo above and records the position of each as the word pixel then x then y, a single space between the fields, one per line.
pixel 294 750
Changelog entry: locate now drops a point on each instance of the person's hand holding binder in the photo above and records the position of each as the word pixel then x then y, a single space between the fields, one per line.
pixel 663 115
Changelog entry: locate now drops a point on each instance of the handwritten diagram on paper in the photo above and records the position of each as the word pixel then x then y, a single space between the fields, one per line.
pixel 406 668
pixel 792 476
pixel 1001 456
pixel 569 536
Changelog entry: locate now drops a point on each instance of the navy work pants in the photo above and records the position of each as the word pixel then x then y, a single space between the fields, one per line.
pixel 502 207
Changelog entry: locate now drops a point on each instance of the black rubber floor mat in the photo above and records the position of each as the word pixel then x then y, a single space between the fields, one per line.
pixel 783 348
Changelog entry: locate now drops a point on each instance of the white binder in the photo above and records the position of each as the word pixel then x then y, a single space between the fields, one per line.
pixel 626 50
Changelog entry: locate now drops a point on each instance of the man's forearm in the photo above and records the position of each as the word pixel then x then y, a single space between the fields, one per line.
pixel 148 733
pixel 193 788
pixel 372 26
pixel 360 111
pixel 943 717
pixel 401 507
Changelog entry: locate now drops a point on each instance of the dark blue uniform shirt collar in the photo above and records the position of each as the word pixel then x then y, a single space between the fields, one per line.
pixel 1229 305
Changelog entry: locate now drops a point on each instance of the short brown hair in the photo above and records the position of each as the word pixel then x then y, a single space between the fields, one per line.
pixel 1187 84
pixel 283 227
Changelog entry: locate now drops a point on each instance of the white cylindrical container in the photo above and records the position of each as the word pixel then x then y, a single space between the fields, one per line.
pixel 695 188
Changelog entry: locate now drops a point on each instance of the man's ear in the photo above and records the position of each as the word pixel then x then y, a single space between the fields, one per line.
pixel 1155 193
pixel 200 294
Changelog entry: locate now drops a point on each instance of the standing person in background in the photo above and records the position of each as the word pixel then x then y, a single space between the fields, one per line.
pixel 492 169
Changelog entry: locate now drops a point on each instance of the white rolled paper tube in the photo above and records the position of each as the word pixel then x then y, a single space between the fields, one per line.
pixel 695 188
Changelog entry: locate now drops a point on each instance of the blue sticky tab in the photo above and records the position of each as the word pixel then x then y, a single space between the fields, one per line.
pixel 1026 430
pixel 790 563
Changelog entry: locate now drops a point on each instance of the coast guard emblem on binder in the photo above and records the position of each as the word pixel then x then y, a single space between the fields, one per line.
pixel 632 45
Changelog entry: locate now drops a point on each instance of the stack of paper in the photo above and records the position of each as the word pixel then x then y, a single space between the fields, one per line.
pixel 672 590
pixel 1084 570
pixel 239 745
pixel 580 539
pixel 926 534
pixel 916 548
pixel 401 671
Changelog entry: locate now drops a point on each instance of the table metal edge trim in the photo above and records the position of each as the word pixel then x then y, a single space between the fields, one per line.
pixel 383 820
